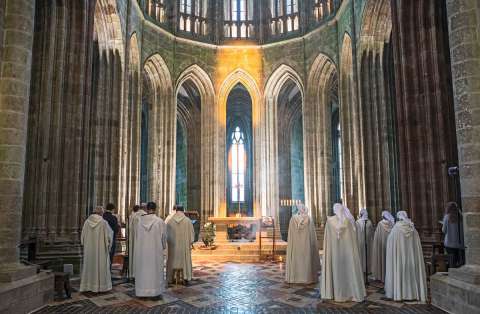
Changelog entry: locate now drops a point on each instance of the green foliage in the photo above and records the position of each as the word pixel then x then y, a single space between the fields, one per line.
pixel 208 234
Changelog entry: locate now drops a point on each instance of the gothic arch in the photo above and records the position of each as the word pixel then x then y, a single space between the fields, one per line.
pixel 132 110
pixel 158 97
pixel 238 76
pixel 201 80
pixel 351 130
pixel 275 83
pixel 322 90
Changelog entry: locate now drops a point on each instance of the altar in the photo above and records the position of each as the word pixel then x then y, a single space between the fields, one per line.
pixel 238 251
pixel 222 224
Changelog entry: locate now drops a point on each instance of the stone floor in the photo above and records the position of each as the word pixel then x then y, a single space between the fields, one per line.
pixel 229 288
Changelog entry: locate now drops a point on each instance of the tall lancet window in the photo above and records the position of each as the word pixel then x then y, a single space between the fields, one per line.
pixel 192 17
pixel 337 157
pixel 238 18
pixel 239 158
pixel 285 16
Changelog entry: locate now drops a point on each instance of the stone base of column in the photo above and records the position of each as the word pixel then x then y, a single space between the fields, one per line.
pixel 457 291
pixel 22 290
pixel 56 253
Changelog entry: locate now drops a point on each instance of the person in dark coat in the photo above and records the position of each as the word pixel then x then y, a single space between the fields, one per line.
pixel 113 223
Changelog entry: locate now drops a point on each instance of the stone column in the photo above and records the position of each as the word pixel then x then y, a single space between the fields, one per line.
pixel 459 291
pixel 424 111
pixel 21 289
pixel 14 93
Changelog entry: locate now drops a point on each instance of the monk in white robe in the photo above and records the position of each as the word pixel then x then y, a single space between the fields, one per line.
pixel 180 237
pixel 379 250
pixel 97 239
pixel 364 238
pixel 303 259
pixel 405 277
pixel 342 278
pixel 132 232
pixel 150 243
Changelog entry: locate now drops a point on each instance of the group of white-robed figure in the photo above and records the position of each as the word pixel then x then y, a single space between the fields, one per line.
pixel 393 253
pixel 149 238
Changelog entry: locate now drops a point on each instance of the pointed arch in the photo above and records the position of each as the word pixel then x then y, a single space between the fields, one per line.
pixel 282 76
pixel 322 93
pixel 350 119
pixel 160 106
pixel 201 80
pixel 242 77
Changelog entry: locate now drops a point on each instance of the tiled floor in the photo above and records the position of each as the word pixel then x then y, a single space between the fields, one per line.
pixel 230 288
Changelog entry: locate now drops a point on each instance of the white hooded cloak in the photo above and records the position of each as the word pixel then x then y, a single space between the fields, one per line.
pixel 342 278
pixel 97 239
pixel 132 231
pixel 405 277
pixel 180 237
pixel 379 249
pixel 150 243
pixel 303 259
pixel 363 223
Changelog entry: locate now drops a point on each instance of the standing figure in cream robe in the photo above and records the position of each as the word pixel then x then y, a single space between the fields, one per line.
pixel 342 278
pixel 97 239
pixel 180 237
pixel 405 277
pixel 379 249
pixel 303 259
pixel 364 238
pixel 132 232
pixel 150 243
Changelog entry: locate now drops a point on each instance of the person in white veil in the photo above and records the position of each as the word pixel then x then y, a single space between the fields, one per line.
pixel 379 247
pixel 405 277
pixel 364 238
pixel 303 259
pixel 342 278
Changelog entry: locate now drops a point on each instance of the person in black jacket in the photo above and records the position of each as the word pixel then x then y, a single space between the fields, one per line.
pixel 113 223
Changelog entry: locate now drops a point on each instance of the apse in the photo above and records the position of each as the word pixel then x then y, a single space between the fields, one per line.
pixel 239 140
pixel 188 147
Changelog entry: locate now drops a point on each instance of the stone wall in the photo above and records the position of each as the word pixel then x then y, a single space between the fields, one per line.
pixel 459 290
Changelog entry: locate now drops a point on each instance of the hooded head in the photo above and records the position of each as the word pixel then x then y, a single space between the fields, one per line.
pixel 96 219
pixel 302 209
pixel 387 216
pixel 343 213
pixel 301 219
pixel 363 215
pixel 405 223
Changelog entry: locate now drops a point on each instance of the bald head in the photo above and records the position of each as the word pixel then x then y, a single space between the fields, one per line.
pixel 99 210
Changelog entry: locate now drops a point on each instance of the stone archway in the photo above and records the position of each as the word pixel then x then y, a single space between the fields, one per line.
pixel 322 89
pixel 202 82
pixel 159 102
pixel 242 77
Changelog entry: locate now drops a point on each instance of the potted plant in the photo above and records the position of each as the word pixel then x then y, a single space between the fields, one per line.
pixel 209 235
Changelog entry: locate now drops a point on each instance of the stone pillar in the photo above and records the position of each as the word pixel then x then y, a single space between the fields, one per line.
pixel 21 289
pixel 425 114
pixel 459 290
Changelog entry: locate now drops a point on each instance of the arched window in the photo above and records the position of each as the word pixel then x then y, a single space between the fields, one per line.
pixel 156 10
pixel 285 16
pixel 239 163
pixel 337 157
pixel 192 17
pixel 322 9
pixel 238 18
